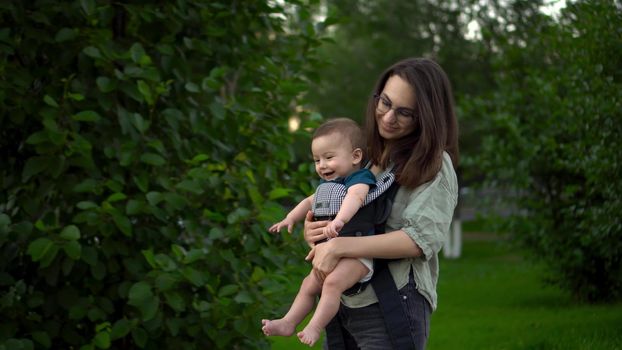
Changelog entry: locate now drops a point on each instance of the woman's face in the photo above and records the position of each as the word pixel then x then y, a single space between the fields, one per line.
pixel 397 101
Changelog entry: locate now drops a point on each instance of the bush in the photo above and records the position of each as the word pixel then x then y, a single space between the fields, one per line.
pixel 553 141
pixel 135 184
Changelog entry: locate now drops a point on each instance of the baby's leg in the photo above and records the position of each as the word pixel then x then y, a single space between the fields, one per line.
pixel 302 305
pixel 347 272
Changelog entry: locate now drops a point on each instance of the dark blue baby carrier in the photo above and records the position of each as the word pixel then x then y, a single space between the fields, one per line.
pixel 370 219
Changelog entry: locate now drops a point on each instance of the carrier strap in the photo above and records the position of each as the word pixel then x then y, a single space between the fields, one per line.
pixel 389 299
pixel 390 302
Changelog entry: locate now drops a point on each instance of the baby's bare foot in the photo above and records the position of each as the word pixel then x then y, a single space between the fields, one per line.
pixel 309 335
pixel 278 327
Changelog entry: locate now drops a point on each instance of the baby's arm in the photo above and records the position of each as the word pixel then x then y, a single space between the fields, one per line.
pixel 297 214
pixel 352 202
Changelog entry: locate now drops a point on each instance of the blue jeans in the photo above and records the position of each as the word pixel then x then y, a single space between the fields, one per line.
pixel 366 325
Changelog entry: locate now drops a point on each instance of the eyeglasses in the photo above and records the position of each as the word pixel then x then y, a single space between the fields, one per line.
pixel 384 105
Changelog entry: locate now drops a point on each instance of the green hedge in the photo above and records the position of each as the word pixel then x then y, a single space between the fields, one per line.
pixel 552 140
pixel 144 147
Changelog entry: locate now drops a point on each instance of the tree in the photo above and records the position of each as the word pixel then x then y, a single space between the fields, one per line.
pixel 371 35
pixel 135 188
pixel 553 140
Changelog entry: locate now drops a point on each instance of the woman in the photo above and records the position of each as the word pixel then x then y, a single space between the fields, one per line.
pixel 412 129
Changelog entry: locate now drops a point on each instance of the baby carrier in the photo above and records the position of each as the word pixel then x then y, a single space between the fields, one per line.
pixel 370 219
pixel 330 195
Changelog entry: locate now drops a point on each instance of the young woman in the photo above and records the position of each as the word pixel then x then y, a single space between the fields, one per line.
pixel 411 127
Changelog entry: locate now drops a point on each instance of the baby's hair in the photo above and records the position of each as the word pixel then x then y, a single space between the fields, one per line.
pixel 346 127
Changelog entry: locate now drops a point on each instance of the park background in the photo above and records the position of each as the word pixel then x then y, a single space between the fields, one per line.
pixel 147 145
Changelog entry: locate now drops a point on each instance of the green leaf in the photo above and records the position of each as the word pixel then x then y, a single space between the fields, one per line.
pixel 145 90
pixel 115 197
pixel 49 256
pixel 193 255
pixel 137 52
pixel 65 34
pixel 193 276
pixel 92 51
pixel 139 292
pixel 154 198
pixel 199 158
pixel 5 221
pixel 73 249
pixel 243 297
pixel 89 255
pixel 70 233
pixel 105 84
pixel 102 326
pixel 175 301
pixel 87 185
pixel 178 251
pixel 140 123
pixel 142 181
pixel 88 6
pixel 149 308
pixel 34 165
pixel 38 137
pixel 120 329
pixel 279 193
pixel 50 101
pixel 174 325
pixel 85 205
pixel 102 340
pixel 152 159
pixel 165 281
pixel 228 290
pixel 190 186
pixel 150 257
pixel 75 96
pixel 175 200
pixel 123 223
pixel 98 270
pixel 42 338
pixel 192 87
pixel 237 215
pixel 86 116
pixel 258 274
pixel 140 337
pixel 38 248
pixel 134 207
pixel 218 111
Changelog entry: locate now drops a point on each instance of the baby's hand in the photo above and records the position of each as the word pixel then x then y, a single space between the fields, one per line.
pixel 333 228
pixel 279 225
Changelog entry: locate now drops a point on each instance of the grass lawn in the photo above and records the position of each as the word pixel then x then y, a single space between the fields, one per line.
pixel 491 298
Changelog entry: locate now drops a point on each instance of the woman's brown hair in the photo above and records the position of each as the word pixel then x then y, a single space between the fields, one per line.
pixel 417 156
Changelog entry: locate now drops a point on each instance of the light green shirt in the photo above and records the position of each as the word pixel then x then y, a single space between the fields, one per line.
pixel 425 214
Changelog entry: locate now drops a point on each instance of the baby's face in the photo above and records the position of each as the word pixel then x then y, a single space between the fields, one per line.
pixel 333 156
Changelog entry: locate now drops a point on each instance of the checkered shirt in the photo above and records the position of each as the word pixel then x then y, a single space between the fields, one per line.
pixel 329 195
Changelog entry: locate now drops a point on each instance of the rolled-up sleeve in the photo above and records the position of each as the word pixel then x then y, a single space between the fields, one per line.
pixel 427 217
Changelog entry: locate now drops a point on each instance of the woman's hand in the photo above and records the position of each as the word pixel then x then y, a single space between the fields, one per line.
pixel 314 230
pixel 324 258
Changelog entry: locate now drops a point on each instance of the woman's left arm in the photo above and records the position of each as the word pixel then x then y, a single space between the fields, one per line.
pixel 391 245
pixel 424 224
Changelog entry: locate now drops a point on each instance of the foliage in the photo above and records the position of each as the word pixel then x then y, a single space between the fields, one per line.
pixel 375 34
pixel 136 184
pixel 368 36
pixel 553 139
